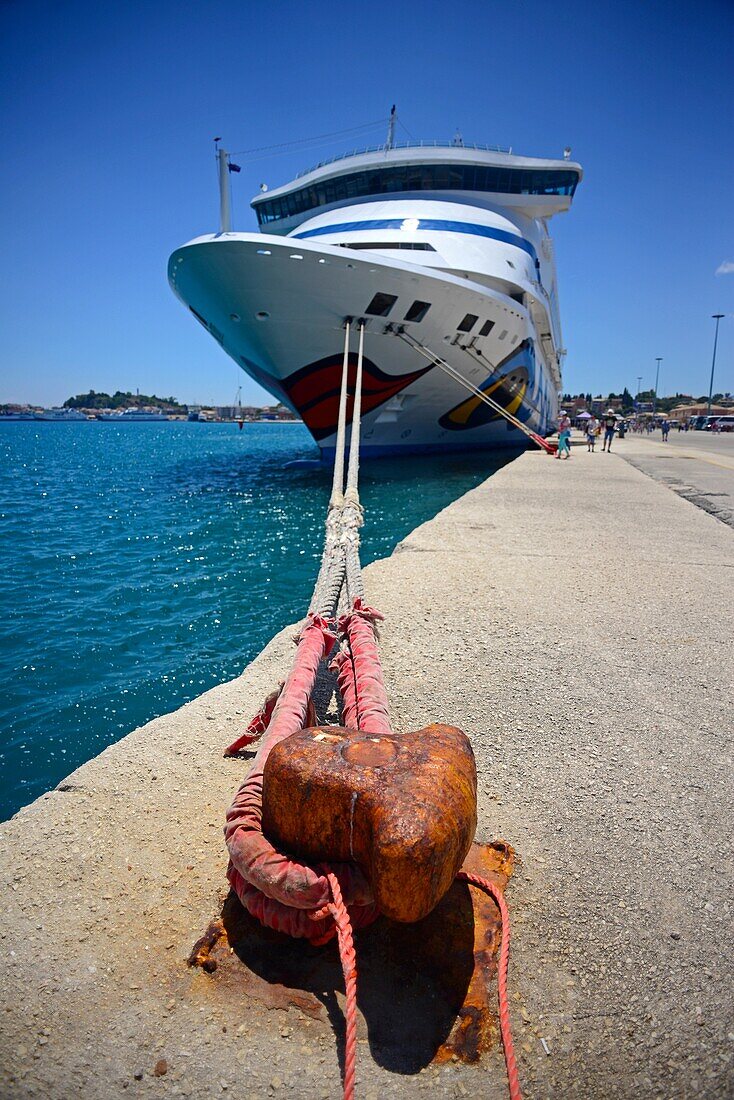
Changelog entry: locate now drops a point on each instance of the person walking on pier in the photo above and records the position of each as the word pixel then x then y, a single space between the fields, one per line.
pixel 610 426
pixel 564 436
pixel 665 428
pixel 592 426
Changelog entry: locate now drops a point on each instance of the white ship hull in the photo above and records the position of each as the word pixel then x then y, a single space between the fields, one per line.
pixel 277 306
pixel 447 248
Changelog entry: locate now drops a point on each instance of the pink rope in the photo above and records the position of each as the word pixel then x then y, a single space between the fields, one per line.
pixel 504 1002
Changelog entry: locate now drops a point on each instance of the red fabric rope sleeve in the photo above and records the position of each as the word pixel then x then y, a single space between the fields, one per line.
pixel 344 668
pixel 253 857
pixel 371 697
pixel 257 726
pixel 299 923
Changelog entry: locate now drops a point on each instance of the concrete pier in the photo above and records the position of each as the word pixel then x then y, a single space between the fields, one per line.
pixel 575 619
pixel 697 465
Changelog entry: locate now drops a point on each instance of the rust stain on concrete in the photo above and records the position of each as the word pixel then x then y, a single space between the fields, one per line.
pixel 427 990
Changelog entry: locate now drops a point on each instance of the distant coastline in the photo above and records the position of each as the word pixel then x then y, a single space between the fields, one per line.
pixel 123 407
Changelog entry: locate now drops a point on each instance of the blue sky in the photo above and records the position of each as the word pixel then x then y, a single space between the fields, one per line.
pixel 108 115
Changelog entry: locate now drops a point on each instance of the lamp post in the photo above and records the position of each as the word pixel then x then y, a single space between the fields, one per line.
pixel 716 317
pixel 658 360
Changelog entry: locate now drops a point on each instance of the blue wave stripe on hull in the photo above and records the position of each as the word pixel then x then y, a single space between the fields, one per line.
pixel 425 223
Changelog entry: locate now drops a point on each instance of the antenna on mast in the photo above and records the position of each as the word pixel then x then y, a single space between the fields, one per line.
pixel 391 129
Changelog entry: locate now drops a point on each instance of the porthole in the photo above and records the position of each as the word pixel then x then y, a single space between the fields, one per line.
pixel 262 315
pixel 264 252
pixel 296 256
pixel 235 317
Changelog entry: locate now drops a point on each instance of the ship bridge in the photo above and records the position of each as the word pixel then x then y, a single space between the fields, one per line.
pixel 481 175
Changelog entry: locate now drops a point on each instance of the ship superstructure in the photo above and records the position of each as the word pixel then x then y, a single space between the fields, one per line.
pixel 446 246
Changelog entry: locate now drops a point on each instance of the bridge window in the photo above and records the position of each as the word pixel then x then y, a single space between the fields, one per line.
pixel 398 178
pixel 468 323
pixel 486 328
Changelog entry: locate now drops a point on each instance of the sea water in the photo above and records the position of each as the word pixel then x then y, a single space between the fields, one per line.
pixel 144 563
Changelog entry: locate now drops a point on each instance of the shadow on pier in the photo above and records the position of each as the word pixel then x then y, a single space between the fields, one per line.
pixel 425 990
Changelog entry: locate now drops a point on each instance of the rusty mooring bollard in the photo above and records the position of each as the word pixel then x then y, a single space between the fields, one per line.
pixel 403 807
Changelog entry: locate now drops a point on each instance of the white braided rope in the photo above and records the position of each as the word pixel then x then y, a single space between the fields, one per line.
pixel 337 484
pixel 353 469
pixel 340 565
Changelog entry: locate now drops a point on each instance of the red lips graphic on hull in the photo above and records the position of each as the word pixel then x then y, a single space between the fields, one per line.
pixel 314 390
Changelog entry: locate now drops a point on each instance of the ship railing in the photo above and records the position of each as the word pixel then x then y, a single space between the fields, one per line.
pixel 405 145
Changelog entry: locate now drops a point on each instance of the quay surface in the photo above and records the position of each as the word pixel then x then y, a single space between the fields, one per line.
pixel 697 465
pixel 575 619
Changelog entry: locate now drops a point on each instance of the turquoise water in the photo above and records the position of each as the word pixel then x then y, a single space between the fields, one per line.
pixel 145 563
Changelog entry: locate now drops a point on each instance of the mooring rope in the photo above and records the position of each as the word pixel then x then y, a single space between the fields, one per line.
pixel 333 566
pixel 337 481
pixel 498 897
pixel 353 470
pixel 353 513
pixel 252 858
pixel 348 958
pixel 340 565
pixel 457 376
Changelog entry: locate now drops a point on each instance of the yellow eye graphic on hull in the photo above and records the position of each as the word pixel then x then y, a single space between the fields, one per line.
pixel 508 391
pixel 462 413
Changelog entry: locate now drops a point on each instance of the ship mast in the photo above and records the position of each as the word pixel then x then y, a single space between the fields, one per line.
pixel 225 208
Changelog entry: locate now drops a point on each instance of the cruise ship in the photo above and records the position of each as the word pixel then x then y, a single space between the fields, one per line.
pixel 442 250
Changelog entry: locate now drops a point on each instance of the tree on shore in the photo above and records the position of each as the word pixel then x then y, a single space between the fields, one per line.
pixel 119 400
